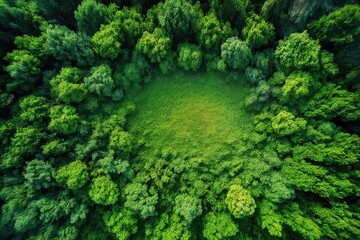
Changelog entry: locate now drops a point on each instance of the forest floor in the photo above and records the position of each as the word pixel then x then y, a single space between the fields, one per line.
pixel 191 114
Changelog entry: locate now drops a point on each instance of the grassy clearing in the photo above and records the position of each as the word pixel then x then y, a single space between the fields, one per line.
pixel 192 114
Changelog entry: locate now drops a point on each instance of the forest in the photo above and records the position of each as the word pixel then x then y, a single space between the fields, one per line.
pixel 179 119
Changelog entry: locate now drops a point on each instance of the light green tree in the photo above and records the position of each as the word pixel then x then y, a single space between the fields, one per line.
pixel 154 45
pixel 64 119
pixel 258 32
pixel 190 57
pixel 239 202
pixel 218 226
pixel 104 191
pixel 298 52
pixel 75 175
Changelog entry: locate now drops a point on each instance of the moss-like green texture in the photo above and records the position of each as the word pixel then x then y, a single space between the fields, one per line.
pixel 192 113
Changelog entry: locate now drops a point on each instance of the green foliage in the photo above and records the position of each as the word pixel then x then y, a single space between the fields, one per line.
pixel 236 53
pixel 111 165
pixel 75 175
pixel 38 174
pixel 331 101
pixel 140 199
pixel 342 150
pixel 178 17
pixel 104 191
pixel 65 45
pixel 169 227
pixel 131 24
pixel 154 45
pixel 339 27
pixel 107 41
pixel 100 80
pixel 239 202
pixel 219 226
pixel 258 32
pixel 298 52
pixel 132 74
pixel 23 144
pixel 121 141
pixel 23 66
pixel 234 11
pixel 89 16
pixel 187 206
pixel 297 86
pixel 121 222
pixel 285 123
pixel 299 222
pixel 54 147
pixel 68 86
pixel 270 218
pixel 190 57
pixel 336 221
pixel 211 31
pixel 33 108
pixel 64 119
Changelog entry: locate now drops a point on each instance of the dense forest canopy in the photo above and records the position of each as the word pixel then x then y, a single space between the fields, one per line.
pixel 179 119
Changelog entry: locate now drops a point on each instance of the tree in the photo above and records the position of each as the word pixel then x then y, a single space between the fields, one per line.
pixel 104 191
pixel 294 217
pixel 298 52
pixel 278 189
pixel 122 142
pixel 258 32
pixel 100 80
pixel 342 150
pixel 236 53
pixel 187 206
pixel 53 148
pixel 23 144
pixel 112 165
pixel 68 85
pixel 169 227
pixel 64 119
pixel 75 175
pixel 131 25
pixel 319 180
pixel 38 174
pixel 211 32
pixel 177 18
pixel 121 222
pixel 89 16
pixel 107 41
pixel 339 27
pixel 338 220
pixel 65 45
pixel 139 200
pixel 132 73
pixel 219 226
pixel 297 86
pixel 154 45
pixel 234 11
pixel 33 108
pixel 271 218
pixel 331 101
pixel 190 57
pixel 239 202
pixel 285 123
pixel 23 68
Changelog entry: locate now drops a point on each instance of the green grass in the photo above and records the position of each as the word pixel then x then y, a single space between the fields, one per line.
pixel 191 114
